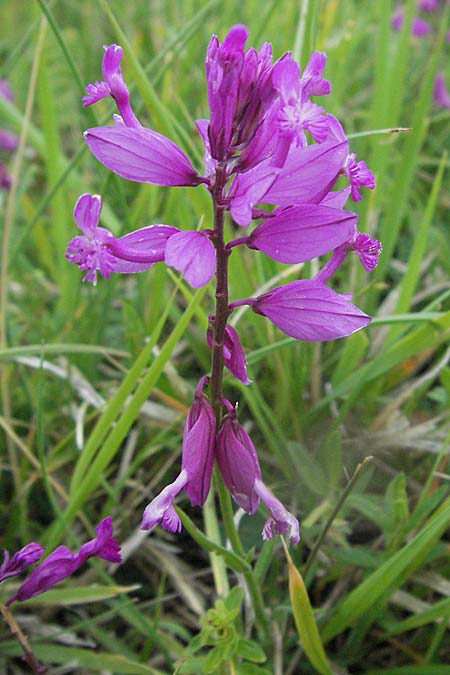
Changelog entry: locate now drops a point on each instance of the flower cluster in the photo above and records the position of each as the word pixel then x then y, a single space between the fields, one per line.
pixel 60 564
pixel 8 140
pixel 272 157
pixel 422 26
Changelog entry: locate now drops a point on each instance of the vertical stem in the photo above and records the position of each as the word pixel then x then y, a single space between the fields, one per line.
pixel 222 309
pixel 29 657
pixel 217 364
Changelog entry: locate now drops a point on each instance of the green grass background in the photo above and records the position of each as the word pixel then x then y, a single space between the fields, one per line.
pixel 95 382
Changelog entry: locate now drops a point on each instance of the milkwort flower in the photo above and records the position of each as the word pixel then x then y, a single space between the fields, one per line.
pixel 26 556
pixel 420 28
pixel 272 157
pixel 197 461
pixel 97 249
pixel 61 563
pixel 238 463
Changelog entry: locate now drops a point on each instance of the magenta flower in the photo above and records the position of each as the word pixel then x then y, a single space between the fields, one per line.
pixel 140 154
pixel 29 554
pixel 113 85
pixel 308 310
pixel 441 95
pixel 233 354
pixel 357 172
pixel 238 463
pixel 193 254
pixel 367 249
pixel 8 140
pixel 62 563
pixel 197 460
pixel 419 27
pixel 240 93
pixel 98 250
pixel 306 177
pixel 297 113
pixel 428 5
pixel 272 155
pixel 302 232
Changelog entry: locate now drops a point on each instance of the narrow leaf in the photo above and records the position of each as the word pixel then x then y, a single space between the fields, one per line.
pixel 304 619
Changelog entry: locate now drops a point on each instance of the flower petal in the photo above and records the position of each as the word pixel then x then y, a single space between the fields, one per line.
pixel 308 174
pixel 308 310
pixel 146 245
pixel 140 154
pixel 87 212
pixel 193 254
pixel 303 232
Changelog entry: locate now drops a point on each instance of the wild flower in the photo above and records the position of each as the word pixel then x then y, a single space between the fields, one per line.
pixel 60 564
pixel 421 27
pixel 272 157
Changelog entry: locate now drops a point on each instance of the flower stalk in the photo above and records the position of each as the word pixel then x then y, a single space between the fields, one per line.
pixel 222 308
pixel 28 655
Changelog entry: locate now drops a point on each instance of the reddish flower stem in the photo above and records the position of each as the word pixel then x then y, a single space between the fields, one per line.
pixel 222 311
pixel 28 655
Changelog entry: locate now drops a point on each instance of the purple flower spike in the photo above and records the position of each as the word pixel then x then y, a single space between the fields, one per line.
pixel 142 155
pixel 308 310
pixel 280 521
pixel 223 69
pixel 61 563
pixel 27 555
pixel 302 232
pixel 196 466
pixel 98 250
pixel 193 254
pixel 233 354
pixel 441 95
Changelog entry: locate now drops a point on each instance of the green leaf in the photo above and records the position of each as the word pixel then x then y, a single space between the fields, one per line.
pixel 83 659
pixel 440 611
pixel 249 650
pixel 304 619
pixel 252 669
pixel 233 601
pixel 80 595
pixel 380 585
pixel 214 659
